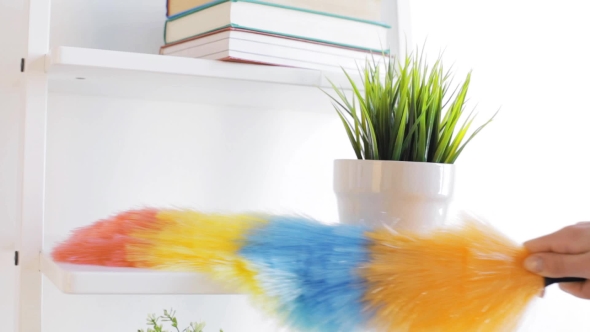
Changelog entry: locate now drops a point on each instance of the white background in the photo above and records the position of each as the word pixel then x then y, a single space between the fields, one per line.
pixel 527 172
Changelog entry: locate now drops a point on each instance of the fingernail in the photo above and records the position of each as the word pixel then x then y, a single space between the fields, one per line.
pixel 534 264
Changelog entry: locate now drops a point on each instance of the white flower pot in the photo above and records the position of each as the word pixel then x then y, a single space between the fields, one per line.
pixel 404 195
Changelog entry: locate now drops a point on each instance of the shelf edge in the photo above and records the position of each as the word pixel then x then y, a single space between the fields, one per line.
pixel 155 63
pixel 129 281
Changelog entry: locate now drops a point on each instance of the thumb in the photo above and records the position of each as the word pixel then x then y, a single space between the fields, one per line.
pixel 559 265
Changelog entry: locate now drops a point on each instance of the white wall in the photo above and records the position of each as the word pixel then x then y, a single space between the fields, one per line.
pixel 526 172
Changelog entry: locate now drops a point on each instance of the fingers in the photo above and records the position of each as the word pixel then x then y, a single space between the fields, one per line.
pixel 565 253
pixel 578 289
pixel 573 239
pixel 559 265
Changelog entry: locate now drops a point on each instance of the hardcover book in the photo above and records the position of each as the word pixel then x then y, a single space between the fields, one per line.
pixel 233 44
pixel 279 20
pixel 363 9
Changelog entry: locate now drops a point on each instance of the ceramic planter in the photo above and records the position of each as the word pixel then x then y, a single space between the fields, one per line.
pixel 402 195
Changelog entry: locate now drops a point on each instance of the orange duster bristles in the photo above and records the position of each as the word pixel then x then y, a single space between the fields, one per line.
pixel 105 242
pixel 466 279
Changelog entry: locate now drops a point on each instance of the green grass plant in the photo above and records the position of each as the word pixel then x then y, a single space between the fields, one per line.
pixel 406 111
pixel 154 324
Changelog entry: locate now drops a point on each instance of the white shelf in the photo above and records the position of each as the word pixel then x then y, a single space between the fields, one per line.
pixel 152 76
pixel 85 279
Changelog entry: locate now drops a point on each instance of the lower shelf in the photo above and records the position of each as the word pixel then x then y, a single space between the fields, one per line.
pixel 85 279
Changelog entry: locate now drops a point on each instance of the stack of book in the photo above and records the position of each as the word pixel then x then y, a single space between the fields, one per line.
pixel 314 34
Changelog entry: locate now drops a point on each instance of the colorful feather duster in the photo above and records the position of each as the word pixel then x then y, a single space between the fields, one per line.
pixel 319 277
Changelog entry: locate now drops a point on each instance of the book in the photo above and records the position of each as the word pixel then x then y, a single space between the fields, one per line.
pixel 363 9
pixel 280 20
pixel 241 45
pixel 260 59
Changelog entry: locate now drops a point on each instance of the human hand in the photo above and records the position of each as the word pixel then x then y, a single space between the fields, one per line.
pixel 565 253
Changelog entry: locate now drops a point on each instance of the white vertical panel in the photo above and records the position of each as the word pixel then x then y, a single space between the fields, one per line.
pixel 33 120
pixel 397 14
pixel 12 41
pixel 30 224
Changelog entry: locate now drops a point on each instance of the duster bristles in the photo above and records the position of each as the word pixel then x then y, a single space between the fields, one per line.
pixel 312 272
pixel 105 242
pixel 465 279
pixel 318 277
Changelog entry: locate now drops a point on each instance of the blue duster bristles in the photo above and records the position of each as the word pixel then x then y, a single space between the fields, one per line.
pixel 313 272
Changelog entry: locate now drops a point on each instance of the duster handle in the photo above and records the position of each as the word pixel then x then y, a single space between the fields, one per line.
pixel 549 281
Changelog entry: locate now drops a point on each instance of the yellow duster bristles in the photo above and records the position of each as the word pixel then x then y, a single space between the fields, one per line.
pixel 470 279
pixel 192 241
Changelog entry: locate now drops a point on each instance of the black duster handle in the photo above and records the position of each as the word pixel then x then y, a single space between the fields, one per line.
pixel 549 281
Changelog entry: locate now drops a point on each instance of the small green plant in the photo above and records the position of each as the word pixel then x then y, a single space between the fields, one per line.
pixel 169 316
pixel 405 112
